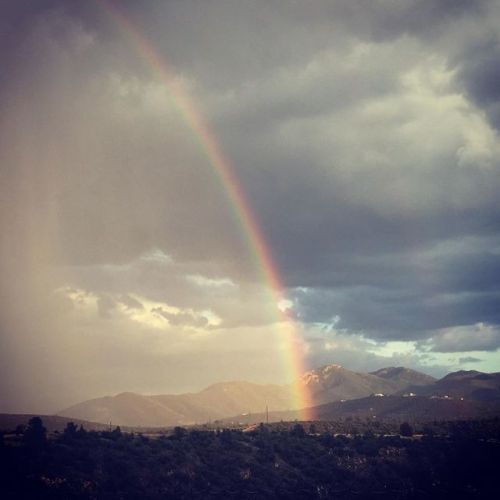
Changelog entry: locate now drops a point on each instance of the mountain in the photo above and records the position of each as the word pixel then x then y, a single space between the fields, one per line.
pixel 417 408
pixel 216 401
pixel 404 377
pixel 469 384
pixel 334 383
pixel 435 399
pixel 326 384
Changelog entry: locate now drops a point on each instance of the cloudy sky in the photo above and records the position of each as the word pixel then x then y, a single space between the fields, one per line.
pixel 364 134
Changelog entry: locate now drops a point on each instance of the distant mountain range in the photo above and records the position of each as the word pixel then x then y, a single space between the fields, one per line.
pixel 404 376
pixel 216 401
pixel 326 384
pixel 399 408
pixel 472 385
pixel 334 383
pixel 389 393
pixel 458 395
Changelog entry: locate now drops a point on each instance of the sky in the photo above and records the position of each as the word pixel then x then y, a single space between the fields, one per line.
pixel 364 135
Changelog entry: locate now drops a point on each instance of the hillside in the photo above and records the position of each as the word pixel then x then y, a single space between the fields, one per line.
pixel 463 384
pixel 326 384
pixel 404 377
pixel 336 391
pixel 216 401
pixel 334 383
pixel 388 408
pixel 285 461
pixel 407 408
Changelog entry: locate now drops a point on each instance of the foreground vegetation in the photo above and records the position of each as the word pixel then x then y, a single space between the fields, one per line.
pixel 287 461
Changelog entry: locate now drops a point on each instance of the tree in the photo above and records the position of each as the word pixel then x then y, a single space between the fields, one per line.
pixel 428 431
pixel 226 437
pixel 35 435
pixel 117 432
pixel 70 430
pixel 180 432
pixel 405 429
pixel 297 431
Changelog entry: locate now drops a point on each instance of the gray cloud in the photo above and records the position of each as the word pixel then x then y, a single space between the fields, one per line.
pixel 469 359
pixel 480 74
pixel 105 305
pixel 479 337
pixel 408 295
pixel 130 302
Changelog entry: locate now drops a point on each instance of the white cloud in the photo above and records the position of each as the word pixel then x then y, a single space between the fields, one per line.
pixel 478 337
pixel 204 281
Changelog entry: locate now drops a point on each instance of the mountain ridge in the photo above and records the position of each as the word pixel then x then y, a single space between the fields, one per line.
pixel 373 408
pixel 404 375
pixel 326 384
pixel 467 384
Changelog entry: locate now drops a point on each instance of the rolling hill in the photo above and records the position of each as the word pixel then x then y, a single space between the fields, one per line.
pixel 216 401
pixel 326 384
pixel 335 391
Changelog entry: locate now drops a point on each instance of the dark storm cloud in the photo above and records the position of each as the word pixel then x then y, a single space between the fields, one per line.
pixel 416 17
pixel 479 75
pixel 18 21
pixel 476 273
pixel 401 314
pixel 310 221
pixel 264 36
pixel 409 296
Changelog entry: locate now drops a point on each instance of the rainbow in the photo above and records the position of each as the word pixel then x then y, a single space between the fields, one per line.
pixel 294 359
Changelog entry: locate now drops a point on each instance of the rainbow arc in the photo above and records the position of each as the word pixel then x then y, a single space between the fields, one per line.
pixel 252 232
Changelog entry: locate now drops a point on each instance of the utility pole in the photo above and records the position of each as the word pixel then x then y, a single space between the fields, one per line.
pixel 267 414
